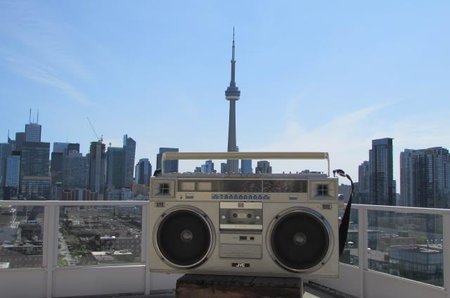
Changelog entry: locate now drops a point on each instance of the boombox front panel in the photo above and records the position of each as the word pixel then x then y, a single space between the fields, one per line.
pixel 268 238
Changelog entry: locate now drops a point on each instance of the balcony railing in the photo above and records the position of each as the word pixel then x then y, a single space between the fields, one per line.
pixel 395 252
pixel 79 248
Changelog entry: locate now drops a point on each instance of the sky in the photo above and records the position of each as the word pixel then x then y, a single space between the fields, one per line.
pixel 326 76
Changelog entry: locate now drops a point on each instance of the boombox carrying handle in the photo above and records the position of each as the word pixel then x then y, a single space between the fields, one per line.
pixel 243 155
pixel 343 227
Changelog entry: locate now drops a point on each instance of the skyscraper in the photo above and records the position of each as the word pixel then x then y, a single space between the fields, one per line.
pixel 35 171
pixel 13 171
pixel 425 177
pixel 115 168
pixel 75 170
pixel 170 166
pixel 58 163
pixel 33 132
pixel 20 139
pixel 232 94
pixel 143 171
pixel 57 167
pixel 5 151
pixel 207 167
pixel 246 166
pixel 34 159
pixel 363 183
pixel 12 178
pixel 381 186
pixel 120 166
pixel 66 147
pixel 223 168
pixel 129 145
pixel 97 167
pixel 263 167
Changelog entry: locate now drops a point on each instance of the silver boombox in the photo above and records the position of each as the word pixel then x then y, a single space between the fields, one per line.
pixel 252 224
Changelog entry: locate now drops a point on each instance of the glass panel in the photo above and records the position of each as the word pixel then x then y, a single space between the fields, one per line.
pixel 351 254
pixel 97 235
pixel 406 245
pixel 21 236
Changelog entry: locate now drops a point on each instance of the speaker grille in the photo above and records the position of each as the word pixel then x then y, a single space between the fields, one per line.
pixel 184 238
pixel 300 240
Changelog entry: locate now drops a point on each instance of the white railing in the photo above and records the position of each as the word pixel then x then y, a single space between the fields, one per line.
pixel 361 281
pixel 51 280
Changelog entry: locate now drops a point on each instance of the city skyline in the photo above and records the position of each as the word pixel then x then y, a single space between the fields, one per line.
pixel 310 79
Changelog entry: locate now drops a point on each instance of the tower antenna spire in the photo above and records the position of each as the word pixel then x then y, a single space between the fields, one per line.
pixel 233 64
pixel 232 94
pixel 233 42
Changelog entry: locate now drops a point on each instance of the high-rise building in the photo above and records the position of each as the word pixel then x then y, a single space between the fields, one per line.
pixel 425 177
pixel 246 166
pixel 34 159
pixel 170 166
pixel 5 151
pixel 13 170
pixel 66 147
pixel 129 146
pixel 232 94
pixel 33 132
pixel 263 167
pixel 143 171
pixel 382 185
pixel 35 170
pixel 364 175
pixel 362 193
pixel 97 168
pixel 409 168
pixel 57 167
pixel 68 166
pixel 59 147
pixel 115 168
pixel 75 171
pixel 120 165
pixel 207 167
pixel 20 139
pixel 35 187
pixel 12 176
pixel 223 168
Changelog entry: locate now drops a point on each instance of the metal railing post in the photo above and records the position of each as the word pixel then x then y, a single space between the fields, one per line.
pixel 50 247
pixel 446 251
pixel 144 247
pixel 363 246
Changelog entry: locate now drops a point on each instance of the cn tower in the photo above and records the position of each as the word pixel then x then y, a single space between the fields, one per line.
pixel 232 95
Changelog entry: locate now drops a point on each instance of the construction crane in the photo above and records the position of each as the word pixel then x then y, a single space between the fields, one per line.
pixel 93 129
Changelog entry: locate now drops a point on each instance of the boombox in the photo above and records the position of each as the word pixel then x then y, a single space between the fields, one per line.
pixel 283 225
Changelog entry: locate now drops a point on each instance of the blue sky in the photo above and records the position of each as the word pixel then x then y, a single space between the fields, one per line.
pixel 314 75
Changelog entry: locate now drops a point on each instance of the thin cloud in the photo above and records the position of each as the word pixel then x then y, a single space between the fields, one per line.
pixel 38 33
pixel 44 55
pixel 46 75
pixel 348 137
pixel 335 131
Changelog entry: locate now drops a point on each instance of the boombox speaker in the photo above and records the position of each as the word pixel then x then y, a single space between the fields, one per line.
pixel 260 225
